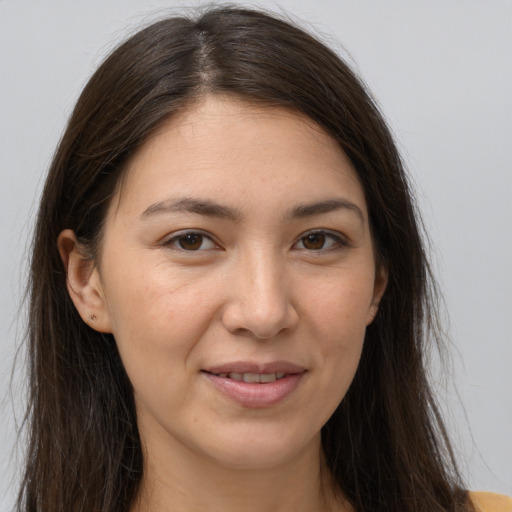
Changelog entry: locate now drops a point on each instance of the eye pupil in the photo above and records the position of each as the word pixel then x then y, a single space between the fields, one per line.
pixel 191 241
pixel 314 241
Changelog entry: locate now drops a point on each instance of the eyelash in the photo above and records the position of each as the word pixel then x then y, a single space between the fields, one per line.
pixel 173 242
pixel 337 241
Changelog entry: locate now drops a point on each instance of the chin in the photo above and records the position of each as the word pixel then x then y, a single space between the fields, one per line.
pixel 262 449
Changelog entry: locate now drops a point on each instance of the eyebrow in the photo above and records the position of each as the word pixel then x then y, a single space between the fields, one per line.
pixel 191 205
pixel 327 206
pixel 212 209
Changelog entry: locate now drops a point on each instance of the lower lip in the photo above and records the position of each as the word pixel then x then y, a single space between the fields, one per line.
pixel 254 395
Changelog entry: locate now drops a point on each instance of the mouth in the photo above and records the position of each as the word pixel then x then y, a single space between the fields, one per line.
pixel 253 385
pixel 251 378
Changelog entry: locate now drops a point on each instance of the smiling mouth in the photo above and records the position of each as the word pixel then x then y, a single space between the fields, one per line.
pixel 253 385
pixel 251 378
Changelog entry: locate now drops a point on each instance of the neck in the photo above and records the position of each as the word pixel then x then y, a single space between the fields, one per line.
pixel 186 481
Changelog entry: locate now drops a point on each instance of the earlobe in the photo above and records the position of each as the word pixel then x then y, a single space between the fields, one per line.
pixel 381 282
pixel 372 313
pixel 83 282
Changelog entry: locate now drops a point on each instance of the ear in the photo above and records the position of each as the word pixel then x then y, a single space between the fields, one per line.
pixel 83 282
pixel 379 287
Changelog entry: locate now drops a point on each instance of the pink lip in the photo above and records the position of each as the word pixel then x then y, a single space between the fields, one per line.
pixel 256 395
pixel 253 367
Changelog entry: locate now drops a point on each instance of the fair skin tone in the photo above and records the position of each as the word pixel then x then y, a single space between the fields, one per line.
pixel 237 249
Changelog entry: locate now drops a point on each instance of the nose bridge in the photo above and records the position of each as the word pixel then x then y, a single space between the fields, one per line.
pixel 264 278
pixel 261 297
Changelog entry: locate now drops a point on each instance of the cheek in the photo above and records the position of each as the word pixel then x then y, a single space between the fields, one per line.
pixel 339 309
pixel 158 324
pixel 157 314
pixel 337 315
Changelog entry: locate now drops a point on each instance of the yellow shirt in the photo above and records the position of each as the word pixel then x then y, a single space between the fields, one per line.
pixel 491 502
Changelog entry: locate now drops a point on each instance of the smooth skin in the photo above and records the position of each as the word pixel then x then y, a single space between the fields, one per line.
pixel 238 233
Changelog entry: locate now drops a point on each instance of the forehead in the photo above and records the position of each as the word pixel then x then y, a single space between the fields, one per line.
pixel 242 153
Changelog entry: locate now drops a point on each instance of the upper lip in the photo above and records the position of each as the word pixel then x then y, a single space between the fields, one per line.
pixel 255 367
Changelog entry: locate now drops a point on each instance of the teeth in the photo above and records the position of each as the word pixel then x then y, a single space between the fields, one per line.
pixel 252 378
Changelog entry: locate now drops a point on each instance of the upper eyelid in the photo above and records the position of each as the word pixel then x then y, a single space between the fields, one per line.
pixel 176 234
pixel 340 242
pixel 328 232
pixel 166 240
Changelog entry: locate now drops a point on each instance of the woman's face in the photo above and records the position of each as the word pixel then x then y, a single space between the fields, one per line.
pixel 238 276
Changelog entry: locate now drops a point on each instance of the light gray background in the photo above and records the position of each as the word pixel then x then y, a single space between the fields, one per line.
pixel 440 69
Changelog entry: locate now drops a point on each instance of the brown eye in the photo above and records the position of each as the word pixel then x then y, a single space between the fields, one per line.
pixel 190 241
pixel 320 241
pixel 314 241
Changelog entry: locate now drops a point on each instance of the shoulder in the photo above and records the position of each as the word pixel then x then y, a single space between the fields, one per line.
pixel 491 502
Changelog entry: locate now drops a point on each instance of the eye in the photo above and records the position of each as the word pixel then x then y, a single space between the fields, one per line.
pixel 190 241
pixel 319 240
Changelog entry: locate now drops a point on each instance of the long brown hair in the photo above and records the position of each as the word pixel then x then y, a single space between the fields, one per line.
pixel 385 445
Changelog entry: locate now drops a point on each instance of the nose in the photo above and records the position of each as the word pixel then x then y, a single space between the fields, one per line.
pixel 260 302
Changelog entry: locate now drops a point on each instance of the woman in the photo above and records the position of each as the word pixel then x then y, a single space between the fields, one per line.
pixel 230 297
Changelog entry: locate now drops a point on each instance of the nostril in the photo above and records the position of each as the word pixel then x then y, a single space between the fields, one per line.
pixel 241 331
pixel 260 325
